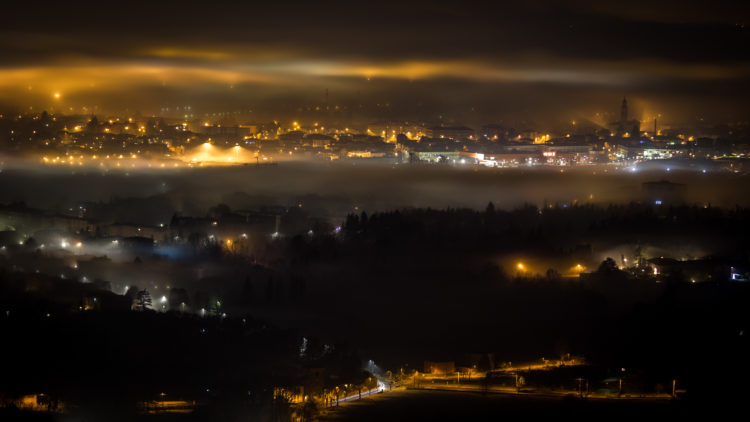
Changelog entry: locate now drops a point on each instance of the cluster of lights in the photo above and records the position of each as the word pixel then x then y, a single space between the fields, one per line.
pixel 103 161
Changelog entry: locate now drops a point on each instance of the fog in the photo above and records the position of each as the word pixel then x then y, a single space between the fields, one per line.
pixel 151 196
pixel 407 286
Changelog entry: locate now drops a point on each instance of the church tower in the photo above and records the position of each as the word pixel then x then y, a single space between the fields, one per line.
pixel 624 111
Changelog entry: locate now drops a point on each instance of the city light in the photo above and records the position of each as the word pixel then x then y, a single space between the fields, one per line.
pixel 519 209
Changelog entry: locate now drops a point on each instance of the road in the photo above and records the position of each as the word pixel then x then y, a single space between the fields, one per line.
pixel 379 389
pixel 527 392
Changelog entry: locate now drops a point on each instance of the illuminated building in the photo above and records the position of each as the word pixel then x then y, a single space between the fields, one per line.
pixel 625 127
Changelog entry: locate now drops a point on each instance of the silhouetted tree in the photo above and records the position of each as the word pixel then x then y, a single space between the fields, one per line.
pixel 30 243
pixel 143 299
pixel 131 292
pixel 552 274
pixel 178 296
pixel 608 266
pixel 194 239
pixel 363 220
pixel 201 299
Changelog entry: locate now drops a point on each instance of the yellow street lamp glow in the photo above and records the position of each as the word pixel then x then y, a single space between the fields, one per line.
pixel 520 266
pixel 57 95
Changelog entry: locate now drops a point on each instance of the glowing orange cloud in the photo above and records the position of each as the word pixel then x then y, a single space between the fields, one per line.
pixel 228 68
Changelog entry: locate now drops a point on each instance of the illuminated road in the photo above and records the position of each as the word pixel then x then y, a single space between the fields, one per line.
pixel 354 397
pixel 380 388
pixel 526 391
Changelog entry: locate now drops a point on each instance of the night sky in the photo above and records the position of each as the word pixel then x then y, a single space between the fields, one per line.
pixel 540 61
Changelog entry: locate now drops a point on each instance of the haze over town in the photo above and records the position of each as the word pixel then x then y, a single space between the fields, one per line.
pixel 340 211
